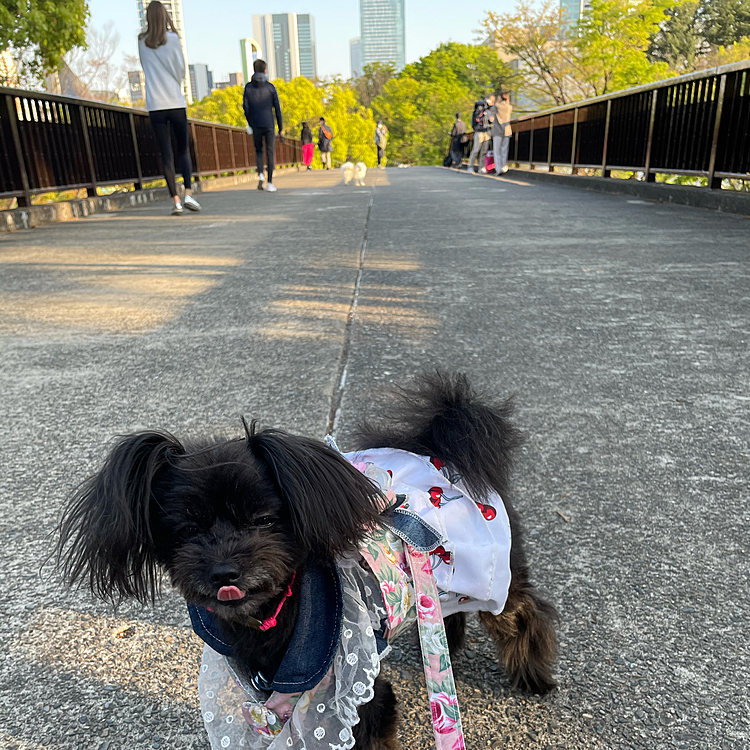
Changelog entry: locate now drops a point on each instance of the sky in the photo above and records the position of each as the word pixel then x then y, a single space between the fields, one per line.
pixel 213 28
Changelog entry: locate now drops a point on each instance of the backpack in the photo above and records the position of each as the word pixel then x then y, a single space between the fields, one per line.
pixel 479 116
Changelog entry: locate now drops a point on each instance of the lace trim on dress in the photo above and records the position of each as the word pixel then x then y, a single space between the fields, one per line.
pixel 237 715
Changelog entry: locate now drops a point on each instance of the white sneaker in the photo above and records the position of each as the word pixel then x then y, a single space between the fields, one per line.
pixel 504 170
pixel 191 203
pixel 483 170
pixel 177 209
pixel 271 187
pixel 471 170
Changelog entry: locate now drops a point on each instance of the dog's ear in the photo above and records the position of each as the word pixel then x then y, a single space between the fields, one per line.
pixel 105 536
pixel 331 503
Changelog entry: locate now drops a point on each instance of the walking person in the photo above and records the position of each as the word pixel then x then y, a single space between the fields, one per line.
pixel 458 133
pixel 381 141
pixel 500 115
pixel 261 105
pixel 308 147
pixel 164 70
pixel 325 136
pixel 480 124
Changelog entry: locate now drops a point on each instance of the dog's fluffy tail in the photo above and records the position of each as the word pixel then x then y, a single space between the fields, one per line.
pixel 442 416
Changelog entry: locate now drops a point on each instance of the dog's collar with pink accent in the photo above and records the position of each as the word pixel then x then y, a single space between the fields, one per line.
pixel 270 622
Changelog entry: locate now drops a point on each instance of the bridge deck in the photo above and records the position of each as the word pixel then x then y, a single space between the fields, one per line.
pixel 621 326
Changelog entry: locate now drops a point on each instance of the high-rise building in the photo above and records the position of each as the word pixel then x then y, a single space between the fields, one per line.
pixel 250 51
pixel 355 56
pixel 288 40
pixel 382 32
pixel 571 11
pixel 308 58
pixel 201 81
pixel 174 8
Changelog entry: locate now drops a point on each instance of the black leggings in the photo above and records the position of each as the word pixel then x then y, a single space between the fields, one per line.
pixel 161 119
pixel 259 135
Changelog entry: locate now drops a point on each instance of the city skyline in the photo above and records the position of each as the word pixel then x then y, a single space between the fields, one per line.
pixel 212 31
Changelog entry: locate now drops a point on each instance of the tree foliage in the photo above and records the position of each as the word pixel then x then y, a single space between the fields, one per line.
pixel 372 81
pixel 419 104
pixel 40 32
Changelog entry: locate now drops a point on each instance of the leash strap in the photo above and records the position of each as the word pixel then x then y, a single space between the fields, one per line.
pixel 441 687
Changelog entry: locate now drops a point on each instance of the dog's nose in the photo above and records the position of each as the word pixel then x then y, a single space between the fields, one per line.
pixel 224 573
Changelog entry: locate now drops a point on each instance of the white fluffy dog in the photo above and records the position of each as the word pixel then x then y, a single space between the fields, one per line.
pixel 354 172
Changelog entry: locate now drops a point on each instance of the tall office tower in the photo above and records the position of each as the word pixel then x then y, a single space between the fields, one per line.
pixel 355 56
pixel 382 32
pixel 308 58
pixel 250 51
pixel 571 11
pixel 288 40
pixel 174 8
pixel 201 81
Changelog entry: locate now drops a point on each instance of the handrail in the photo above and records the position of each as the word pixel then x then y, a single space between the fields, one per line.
pixel 53 143
pixel 685 77
pixel 696 124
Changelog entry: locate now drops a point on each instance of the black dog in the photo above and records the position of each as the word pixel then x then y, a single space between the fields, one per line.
pixel 232 522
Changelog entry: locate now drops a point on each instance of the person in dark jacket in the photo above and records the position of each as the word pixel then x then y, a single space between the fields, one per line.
pixel 325 135
pixel 260 102
pixel 458 133
pixel 308 147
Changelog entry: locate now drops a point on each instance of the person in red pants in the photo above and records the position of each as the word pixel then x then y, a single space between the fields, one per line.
pixel 308 147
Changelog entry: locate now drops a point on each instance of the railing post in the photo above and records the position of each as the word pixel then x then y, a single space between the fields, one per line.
pixel 197 165
pixel 90 191
pixel 549 143
pixel 605 171
pixel 575 143
pixel 515 152
pixel 136 151
pixel 531 145
pixel 231 150
pixel 216 152
pixel 648 174
pixel 713 182
pixel 23 200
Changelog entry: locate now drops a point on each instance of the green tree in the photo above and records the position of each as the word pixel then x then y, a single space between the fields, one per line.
pixel 418 105
pixel 370 84
pixel 679 41
pixel 40 32
pixel 301 101
pixel 532 34
pixel 221 105
pixel 612 40
pixel 725 21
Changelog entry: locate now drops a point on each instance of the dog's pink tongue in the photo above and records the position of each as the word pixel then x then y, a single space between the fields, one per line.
pixel 229 594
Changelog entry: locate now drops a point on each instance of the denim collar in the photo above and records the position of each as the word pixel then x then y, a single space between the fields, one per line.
pixel 314 641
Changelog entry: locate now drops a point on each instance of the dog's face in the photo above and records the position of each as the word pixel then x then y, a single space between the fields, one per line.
pixel 223 532
pixel 229 522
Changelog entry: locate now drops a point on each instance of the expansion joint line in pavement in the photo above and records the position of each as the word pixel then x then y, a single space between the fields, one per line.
pixel 338 393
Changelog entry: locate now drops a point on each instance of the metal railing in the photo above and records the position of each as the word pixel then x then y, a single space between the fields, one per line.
pixel 51 143
pixel 696 125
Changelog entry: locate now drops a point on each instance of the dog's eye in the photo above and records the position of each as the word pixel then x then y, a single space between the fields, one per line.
pixel 263 522
pixel 188 530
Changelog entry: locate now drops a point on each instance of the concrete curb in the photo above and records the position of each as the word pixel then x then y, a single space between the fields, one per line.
pixel 51 213
pixel 726 201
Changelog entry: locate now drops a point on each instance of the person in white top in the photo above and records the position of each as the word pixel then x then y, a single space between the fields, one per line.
pixel 164 69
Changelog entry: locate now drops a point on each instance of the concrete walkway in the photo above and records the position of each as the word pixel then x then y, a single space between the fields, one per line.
pixel 621 326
